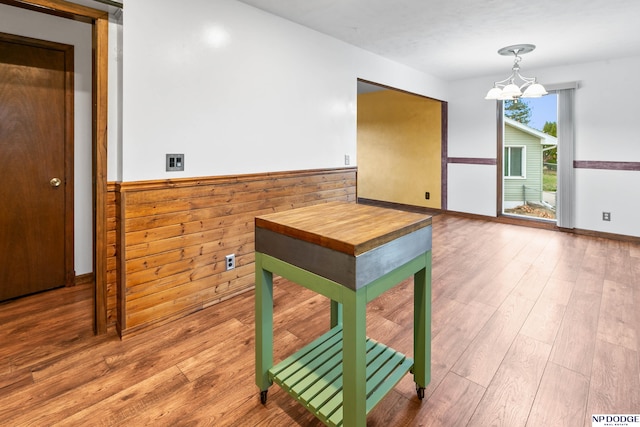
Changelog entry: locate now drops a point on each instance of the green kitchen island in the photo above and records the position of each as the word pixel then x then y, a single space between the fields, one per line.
pixel 350 253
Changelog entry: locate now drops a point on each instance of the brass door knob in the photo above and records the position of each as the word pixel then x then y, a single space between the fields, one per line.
pixel 55 182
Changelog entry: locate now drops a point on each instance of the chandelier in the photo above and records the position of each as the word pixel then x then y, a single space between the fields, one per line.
pixel 516 86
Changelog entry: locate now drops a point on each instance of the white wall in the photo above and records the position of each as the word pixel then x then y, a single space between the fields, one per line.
pixel 471 188
pixel 472 133
pixel 605 130
pixel 238 90
pixel 45 27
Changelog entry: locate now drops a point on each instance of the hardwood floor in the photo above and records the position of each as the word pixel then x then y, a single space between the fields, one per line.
pixel 530 327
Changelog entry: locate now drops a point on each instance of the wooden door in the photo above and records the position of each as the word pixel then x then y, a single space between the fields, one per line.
pixel 36 166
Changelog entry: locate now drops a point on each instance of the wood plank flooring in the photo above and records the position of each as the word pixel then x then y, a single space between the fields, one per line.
pixel 531 327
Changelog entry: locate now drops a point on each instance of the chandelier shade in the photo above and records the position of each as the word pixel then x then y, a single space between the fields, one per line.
pixel 536 90
pixel 516 86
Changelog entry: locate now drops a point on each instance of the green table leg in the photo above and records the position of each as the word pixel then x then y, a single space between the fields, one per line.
pixel 264 325
pixel 422 326
pixel 354 358
pixel 336 314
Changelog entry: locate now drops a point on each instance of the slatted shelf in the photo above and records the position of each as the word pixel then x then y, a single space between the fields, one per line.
pixel 313 375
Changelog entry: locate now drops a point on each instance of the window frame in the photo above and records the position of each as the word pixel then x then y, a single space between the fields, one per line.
pixel 507 161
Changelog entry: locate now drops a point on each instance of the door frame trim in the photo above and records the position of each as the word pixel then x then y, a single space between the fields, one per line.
pixel 99 21
pixel 499 157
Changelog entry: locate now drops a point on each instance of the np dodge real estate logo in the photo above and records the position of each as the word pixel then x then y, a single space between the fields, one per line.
pixel 617 420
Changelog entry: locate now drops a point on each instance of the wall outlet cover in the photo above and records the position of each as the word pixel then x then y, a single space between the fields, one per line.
pixel 175 162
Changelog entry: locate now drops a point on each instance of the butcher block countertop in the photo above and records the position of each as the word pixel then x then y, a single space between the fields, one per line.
pixel 349 228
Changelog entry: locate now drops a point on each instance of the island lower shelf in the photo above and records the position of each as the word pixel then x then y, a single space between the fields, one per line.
pixel 313 375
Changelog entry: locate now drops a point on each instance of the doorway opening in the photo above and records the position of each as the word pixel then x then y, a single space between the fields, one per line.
pixel 529 158
pixel 401 146
pixel 99 20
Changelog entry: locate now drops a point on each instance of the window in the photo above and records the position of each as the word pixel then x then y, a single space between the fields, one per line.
pixel 514 162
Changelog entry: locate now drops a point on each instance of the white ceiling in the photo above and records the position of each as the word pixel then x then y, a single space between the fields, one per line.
pixel 457 39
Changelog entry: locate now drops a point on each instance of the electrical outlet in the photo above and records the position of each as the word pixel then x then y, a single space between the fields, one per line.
pixel 347 160
pixel 175 162
pixel 606 216
pixel 230 261
pixel 427 195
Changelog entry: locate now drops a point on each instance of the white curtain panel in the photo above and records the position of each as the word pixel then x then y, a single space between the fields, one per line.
pixel 566 200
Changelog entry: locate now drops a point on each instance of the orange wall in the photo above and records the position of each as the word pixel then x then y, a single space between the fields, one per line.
pixel 399 148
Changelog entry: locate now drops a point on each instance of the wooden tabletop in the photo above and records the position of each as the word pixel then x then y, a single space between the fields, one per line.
pixel 346 227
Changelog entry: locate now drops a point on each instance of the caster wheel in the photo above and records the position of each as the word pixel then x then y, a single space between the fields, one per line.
pixel 420 392
pixel 263 397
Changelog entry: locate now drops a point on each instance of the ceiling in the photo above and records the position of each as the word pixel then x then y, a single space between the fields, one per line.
pixel 458 39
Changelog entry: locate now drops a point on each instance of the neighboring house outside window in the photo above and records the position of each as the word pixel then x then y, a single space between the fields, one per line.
pixel 522 163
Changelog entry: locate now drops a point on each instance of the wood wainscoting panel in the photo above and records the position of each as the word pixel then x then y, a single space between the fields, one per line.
pixel 112 199
pixel 174 236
